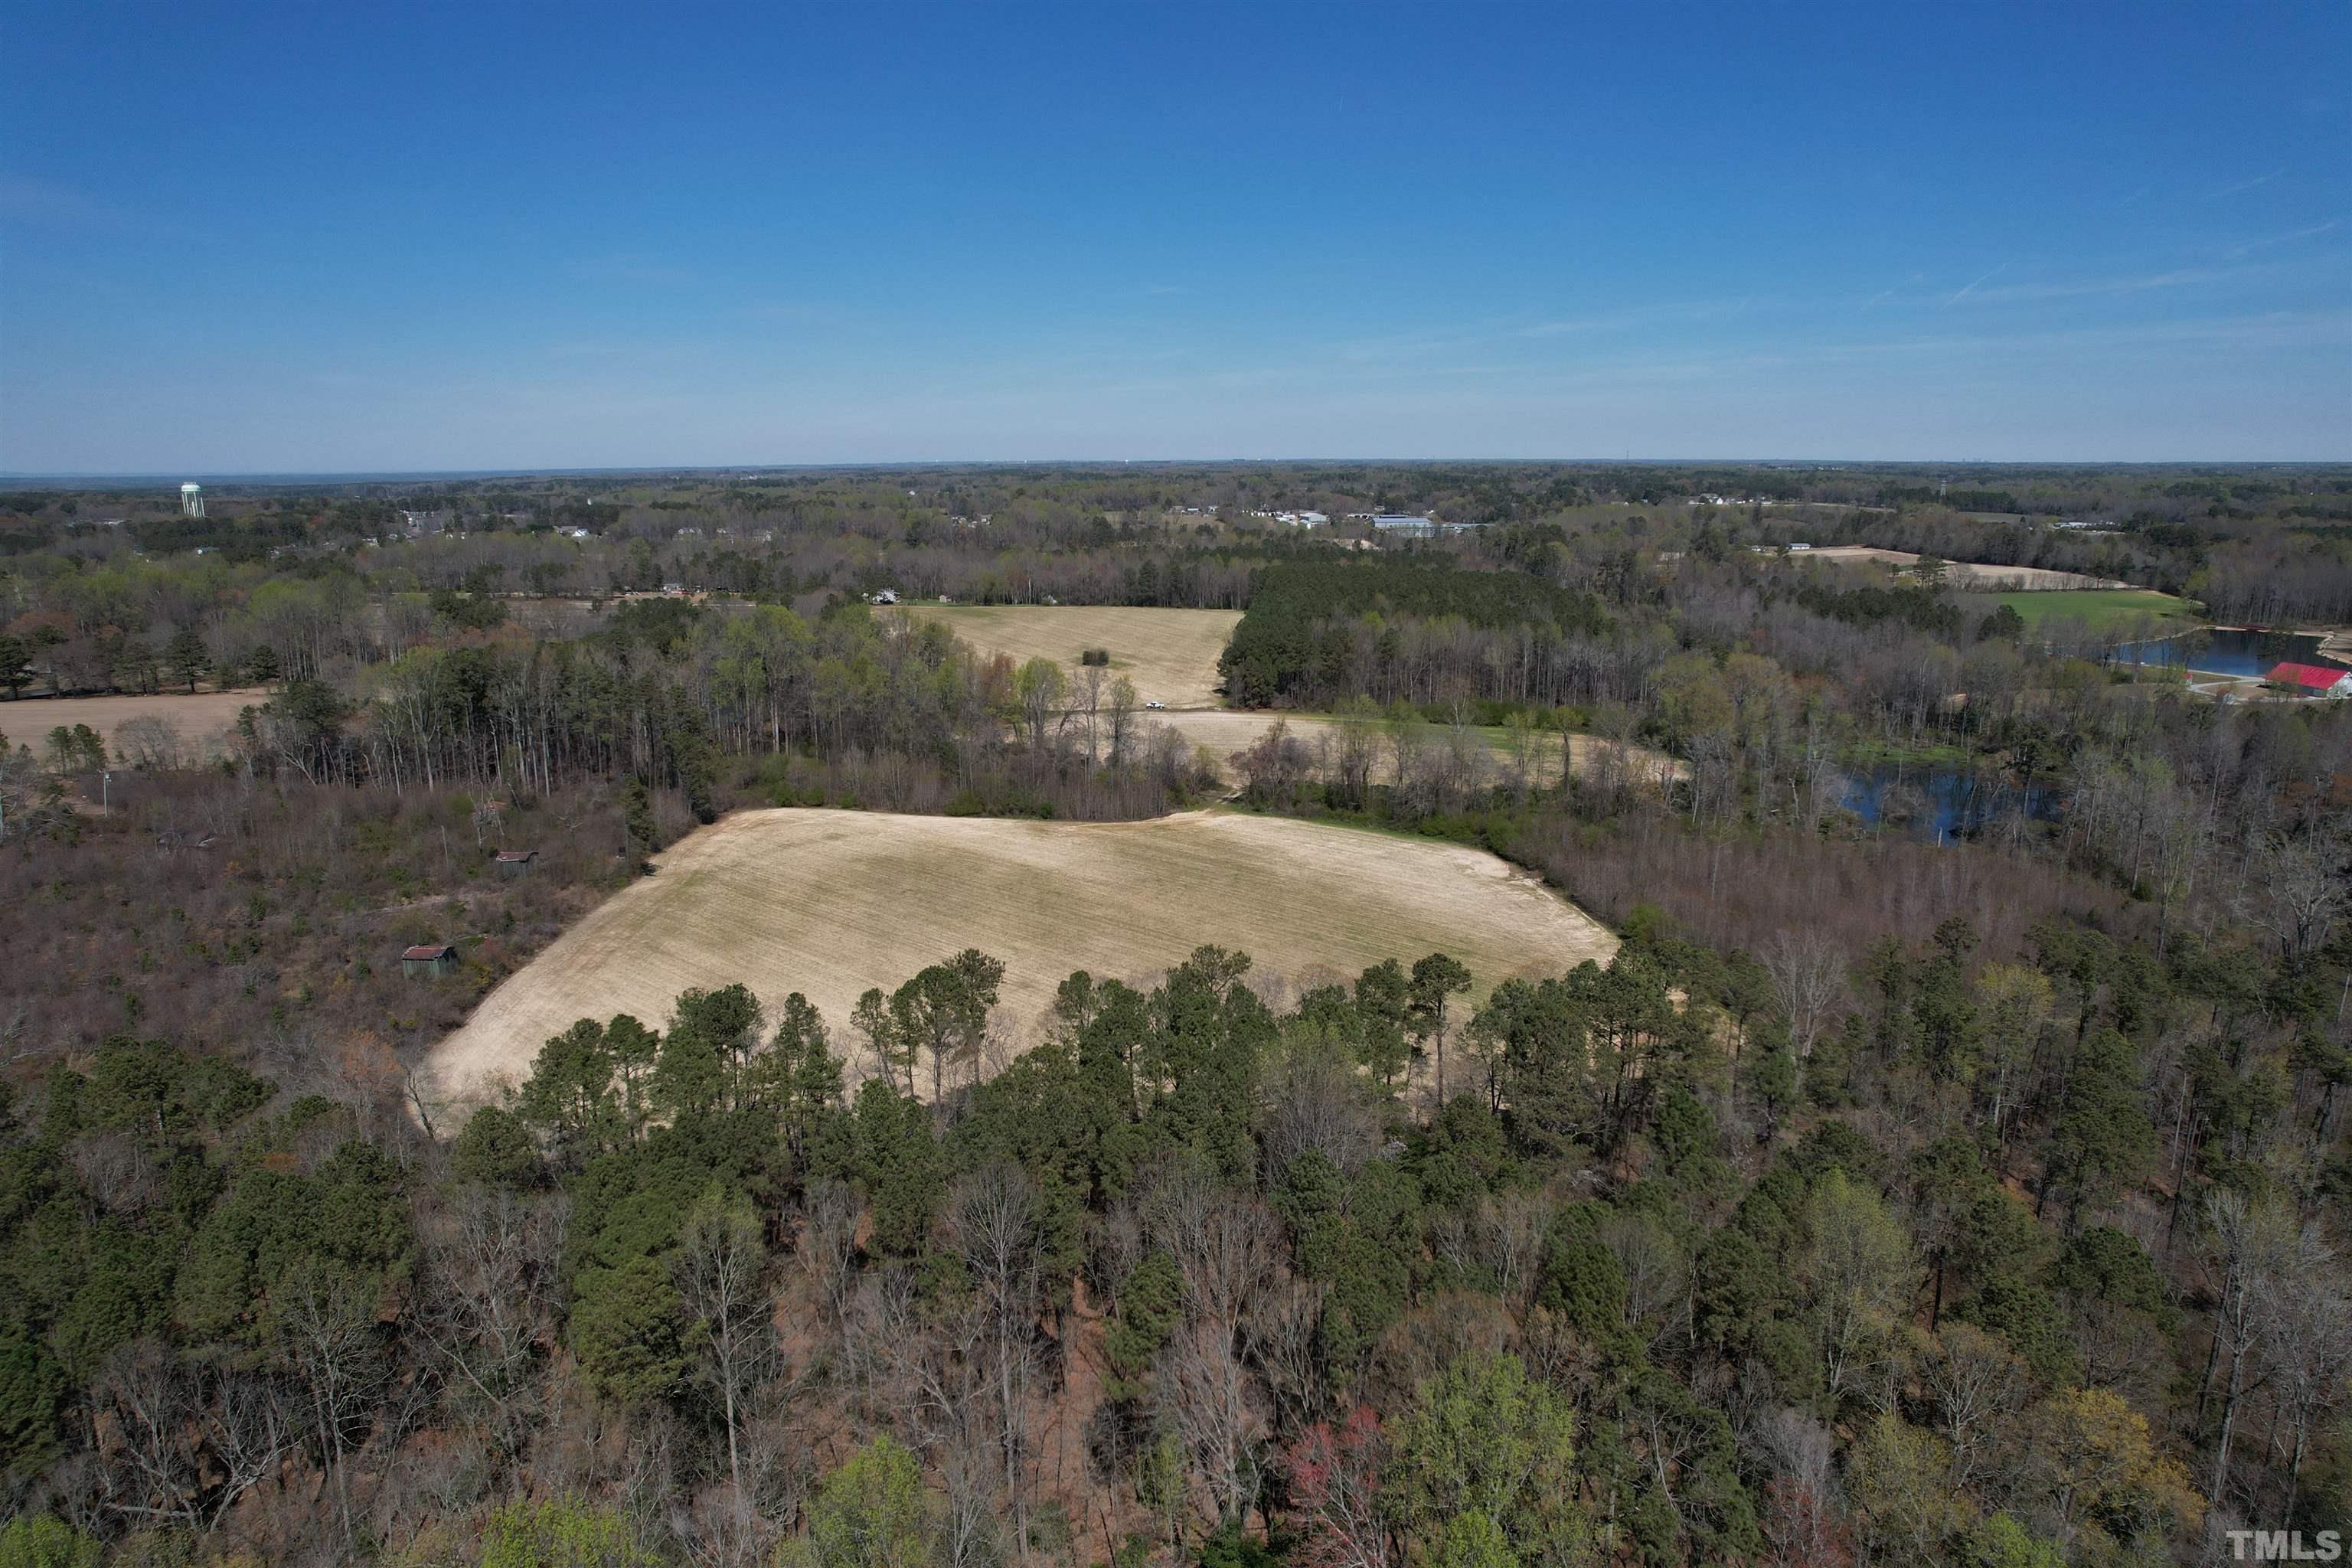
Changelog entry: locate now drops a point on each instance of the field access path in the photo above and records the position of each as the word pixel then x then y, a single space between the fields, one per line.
pixel 830 902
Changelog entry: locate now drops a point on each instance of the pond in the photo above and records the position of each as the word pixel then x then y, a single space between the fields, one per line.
pixel 2222 650
pixel 1951 803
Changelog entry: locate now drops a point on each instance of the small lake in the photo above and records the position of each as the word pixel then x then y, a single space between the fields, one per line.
pixel 2221 651
pixel 1948 803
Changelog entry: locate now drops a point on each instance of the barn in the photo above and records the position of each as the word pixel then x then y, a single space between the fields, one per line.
pixel 427 962
pixel 515 862
pixel 2312 679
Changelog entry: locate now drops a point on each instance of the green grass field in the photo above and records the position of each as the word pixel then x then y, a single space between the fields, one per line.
pixel 2101 606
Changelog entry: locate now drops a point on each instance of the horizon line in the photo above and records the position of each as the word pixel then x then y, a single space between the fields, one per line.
pixel 128 475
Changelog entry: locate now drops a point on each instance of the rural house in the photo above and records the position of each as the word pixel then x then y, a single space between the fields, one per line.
pixel 428 962
pixel 2312 679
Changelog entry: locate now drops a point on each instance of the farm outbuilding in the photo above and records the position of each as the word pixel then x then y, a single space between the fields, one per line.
pixel 428 962
pixel 515 862
pixel 2317 679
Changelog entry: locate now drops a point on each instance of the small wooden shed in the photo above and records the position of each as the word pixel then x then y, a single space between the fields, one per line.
pixel 423 963
pixel 515 862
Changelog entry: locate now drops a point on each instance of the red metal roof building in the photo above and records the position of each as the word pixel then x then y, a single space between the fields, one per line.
pixel 2316 678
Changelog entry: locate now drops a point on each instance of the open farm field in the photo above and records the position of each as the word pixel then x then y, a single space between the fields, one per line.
pixel 1225 731
pixel 1974 576
pixel 2100 608
pixel 829 903
pixel 1170 654
pixel 199 720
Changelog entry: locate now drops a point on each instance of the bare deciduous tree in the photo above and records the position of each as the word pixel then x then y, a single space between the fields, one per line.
pixel 828 1247
pixel 1120 714
pixel 1204 1396
pixel 2251 1244
pixel 2306 1345
pixel 486 1295
pixel 189 1437
pixel 1227 1248
pixel 2297 885
pixel 1978 1385
pixel 994 1223
pixel 720 1269
pixel 327 1331
pixel 1808 975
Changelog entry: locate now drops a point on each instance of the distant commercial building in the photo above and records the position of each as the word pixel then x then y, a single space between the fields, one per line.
pixel 191 500
pixel 1407 527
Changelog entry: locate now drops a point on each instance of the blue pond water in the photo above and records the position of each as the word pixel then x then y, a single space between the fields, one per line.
pixel 2219 651
pixel 1945 804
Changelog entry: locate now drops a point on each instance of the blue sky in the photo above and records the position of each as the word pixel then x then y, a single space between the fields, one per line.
pixel 327 236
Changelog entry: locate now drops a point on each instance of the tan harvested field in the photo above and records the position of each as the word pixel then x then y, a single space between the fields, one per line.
pixel 829 903
pixel 1227 731
pixel 1170 654
pixel 1971 576
pixel 201 720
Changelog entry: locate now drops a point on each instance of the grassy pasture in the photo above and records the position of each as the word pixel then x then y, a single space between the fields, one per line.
pixel 2101 608
pixel 201 720
pixel 831 902
pixel 1170 654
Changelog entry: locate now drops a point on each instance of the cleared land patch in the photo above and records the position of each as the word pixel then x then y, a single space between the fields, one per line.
pixel 829 903
pixel 201 720
pixel 1170 654
pixel 1971 576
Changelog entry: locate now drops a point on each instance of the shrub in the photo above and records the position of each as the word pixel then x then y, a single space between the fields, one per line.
pixel 36 1541
pixel 562 1533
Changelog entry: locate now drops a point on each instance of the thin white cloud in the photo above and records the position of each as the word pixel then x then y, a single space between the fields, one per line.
pixel 1635 316
pixel 2248 246
pixel 2245 185
pixel 1972 287
pixel 1442 341
pixel 2087 287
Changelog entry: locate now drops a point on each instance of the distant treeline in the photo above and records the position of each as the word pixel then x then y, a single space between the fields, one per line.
pixel 666 694
pixel 1416 630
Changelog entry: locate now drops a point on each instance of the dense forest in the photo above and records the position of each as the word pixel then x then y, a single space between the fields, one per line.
pixel 1919 1184
pixel 1317 632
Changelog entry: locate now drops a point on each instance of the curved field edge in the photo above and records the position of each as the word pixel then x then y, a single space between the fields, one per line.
pixel 829 903
pixel 1169 654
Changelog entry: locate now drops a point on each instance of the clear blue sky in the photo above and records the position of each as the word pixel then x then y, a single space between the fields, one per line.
pixel 327 236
